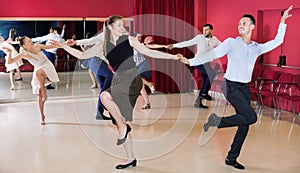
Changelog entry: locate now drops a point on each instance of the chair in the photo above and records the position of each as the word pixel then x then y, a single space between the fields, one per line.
pixel 283 83
pixel 71 63
pixel 26 67
pixel 2 65
pixel 266 88
pixel 293 94
pixel 254 83
pixel 219 78
pixel 61 61
pixel 254 87
pixel 195 79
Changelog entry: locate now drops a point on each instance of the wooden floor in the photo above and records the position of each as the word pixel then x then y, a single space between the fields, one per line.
pixel 166 138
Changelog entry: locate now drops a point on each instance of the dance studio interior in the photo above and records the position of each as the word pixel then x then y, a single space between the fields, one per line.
pixel 176 127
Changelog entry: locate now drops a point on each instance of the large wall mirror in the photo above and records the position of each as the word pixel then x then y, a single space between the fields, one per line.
pixel 35 27
pixel 76 28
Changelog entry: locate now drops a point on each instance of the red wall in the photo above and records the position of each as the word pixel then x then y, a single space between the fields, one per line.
pixel 200 13
pixel 66 8
pixel 291 39
pixel 225 14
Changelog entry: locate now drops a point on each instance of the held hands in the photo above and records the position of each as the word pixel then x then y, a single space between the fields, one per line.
pixel 57 44
pixel 177 56
pixel 71 42
pixel 184 60
pixel 169 46
pixel 181 58
pixel 286 14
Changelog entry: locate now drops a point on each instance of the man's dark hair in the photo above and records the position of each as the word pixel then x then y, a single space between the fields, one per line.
pixel 88 35
pixel 209 25
pixel 58 30
pixel 250 17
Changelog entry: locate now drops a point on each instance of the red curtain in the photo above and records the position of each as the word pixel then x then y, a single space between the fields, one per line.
pixel 167 22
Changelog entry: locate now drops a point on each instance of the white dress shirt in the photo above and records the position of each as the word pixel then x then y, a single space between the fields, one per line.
pixel 90 41
pixel 203 44
pixel 48 37
pixel 62 33
pixel 138 58
pixel 96 50
pixel 241 57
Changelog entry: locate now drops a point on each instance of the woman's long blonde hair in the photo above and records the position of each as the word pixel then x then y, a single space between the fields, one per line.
pixel 106 31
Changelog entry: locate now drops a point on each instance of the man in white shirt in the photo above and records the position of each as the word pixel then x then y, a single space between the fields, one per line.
pixel 51 30
pixel 242 54
pixel 55 35
pixel 50 53
pixel 204 42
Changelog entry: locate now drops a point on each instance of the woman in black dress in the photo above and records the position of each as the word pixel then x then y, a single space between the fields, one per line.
pixel 126 85
pixel 120 99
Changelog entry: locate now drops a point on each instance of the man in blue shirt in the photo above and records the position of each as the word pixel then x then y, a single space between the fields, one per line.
pixel 242 54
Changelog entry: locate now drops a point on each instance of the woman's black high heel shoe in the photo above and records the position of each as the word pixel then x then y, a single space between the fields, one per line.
pixel 121 141
pixel 112 119
pixel 133 164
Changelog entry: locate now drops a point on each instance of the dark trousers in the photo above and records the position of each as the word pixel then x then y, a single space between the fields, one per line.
pixel 50 56
pixel 239 96
pixel 208 75
pixel 104 77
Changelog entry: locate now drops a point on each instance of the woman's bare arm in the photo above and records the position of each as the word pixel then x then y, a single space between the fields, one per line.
pixel 11 60
pixel 42 46
pixel 148 52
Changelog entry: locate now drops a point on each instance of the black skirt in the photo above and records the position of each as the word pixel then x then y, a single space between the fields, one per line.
pixel 125 89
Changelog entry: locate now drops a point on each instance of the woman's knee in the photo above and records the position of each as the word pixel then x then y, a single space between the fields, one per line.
pixel 40 72
pixel 39 95
pixel 104 96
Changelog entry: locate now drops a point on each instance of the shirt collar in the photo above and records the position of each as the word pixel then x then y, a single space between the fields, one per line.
pixel 240 39
pixel 208 38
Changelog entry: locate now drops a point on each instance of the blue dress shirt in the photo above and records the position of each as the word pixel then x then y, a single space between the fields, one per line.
pixel 241 56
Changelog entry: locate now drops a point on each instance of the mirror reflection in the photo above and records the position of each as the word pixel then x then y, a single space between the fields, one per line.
pixel 40 29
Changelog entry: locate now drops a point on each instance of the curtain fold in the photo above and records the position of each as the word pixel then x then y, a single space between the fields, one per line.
pixel 168 22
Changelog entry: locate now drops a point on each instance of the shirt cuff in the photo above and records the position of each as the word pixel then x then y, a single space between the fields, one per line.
pixel 282 25
pixel 79 43
pixel 194 61
pixel 175 45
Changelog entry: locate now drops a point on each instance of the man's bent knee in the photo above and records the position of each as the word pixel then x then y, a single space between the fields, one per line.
pixel 252 119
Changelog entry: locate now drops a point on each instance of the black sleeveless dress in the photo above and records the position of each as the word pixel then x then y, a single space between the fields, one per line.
pixel 126 83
